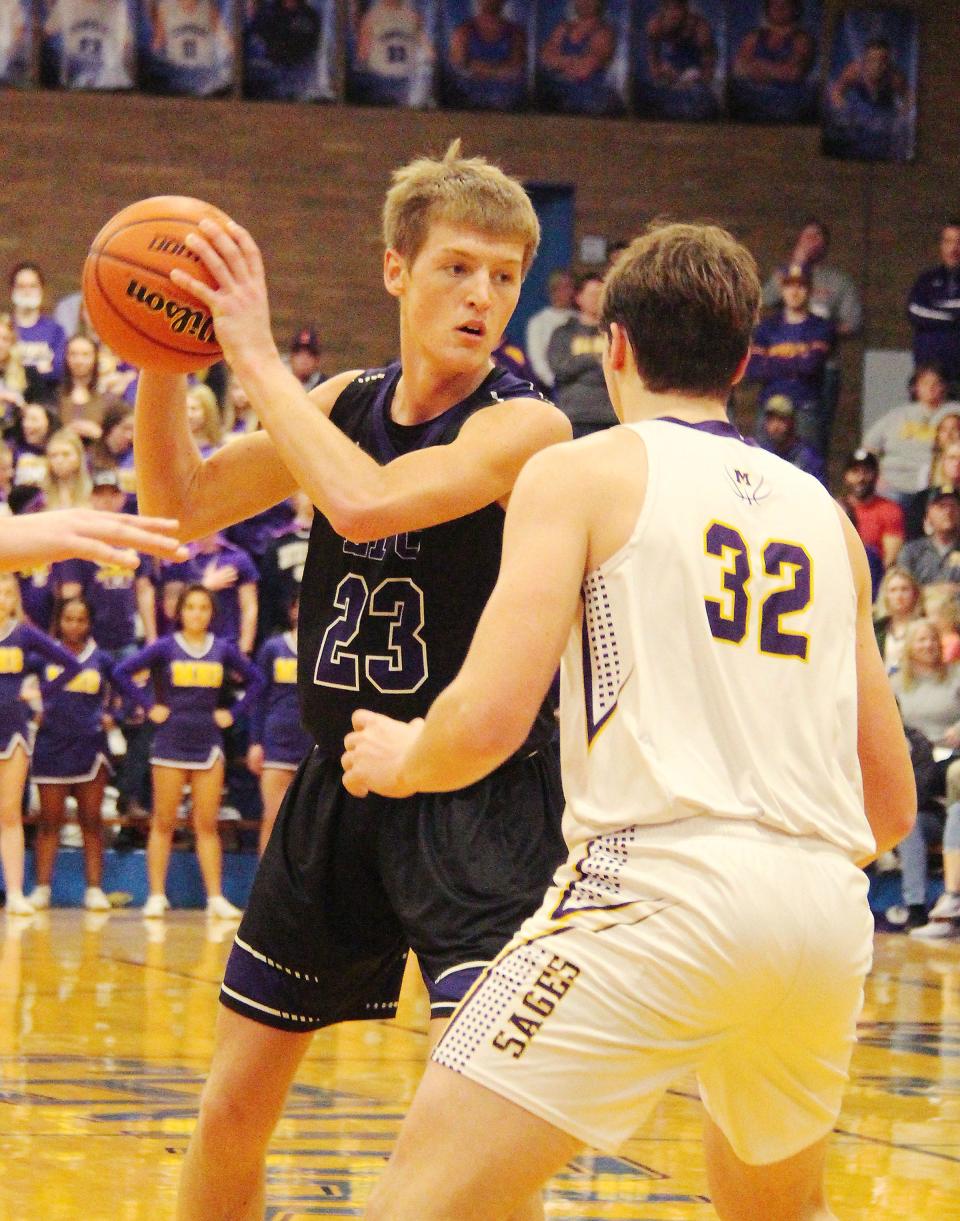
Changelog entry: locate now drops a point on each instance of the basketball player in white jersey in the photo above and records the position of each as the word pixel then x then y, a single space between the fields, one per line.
pixel 98 47
pixel 731 751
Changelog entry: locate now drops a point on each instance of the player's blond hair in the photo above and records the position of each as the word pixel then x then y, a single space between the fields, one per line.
pixel 466 191
pixel 688 297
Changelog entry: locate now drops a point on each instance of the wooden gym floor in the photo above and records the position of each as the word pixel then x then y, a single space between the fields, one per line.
pixel 105 1035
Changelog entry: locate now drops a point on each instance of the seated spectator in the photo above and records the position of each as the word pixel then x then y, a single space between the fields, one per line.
pixel 36 426
pixel 81 404
pixel 936 556
pixel 281 569
pixel 948 433
pixel 912 852
pixel 203 416
pixel 947 467
pixel 681 62
pixel 114 450
pixel 928 692
pixel 942 608
pixel 41 342
pixel 66 484
pixel 573 63
pixel 899 603
pixel 789 355
pixel 561 291
pixel 486 61
pixel 879 522
pixel 574 356
pixel 13 376
pixel 231 577
pixel 6 478
pixel 778 434
pixel 306 358
pixel 833 294
pixel 934 310
pixel 903 438
pixel 771 69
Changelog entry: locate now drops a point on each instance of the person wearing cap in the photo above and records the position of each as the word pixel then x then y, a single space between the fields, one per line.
pixel 305 358
pixel 879 522
pixel 833 294
pixel 903 437
pixel 936 556
pixel 789 355
pixel 779 436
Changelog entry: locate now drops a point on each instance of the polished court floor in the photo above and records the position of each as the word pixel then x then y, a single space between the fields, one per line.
pixel 105 1034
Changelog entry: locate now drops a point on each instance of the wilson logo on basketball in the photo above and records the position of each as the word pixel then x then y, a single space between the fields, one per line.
pixel 183 320
pixel 173 246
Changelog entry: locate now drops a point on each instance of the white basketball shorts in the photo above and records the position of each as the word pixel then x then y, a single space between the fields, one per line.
pixel 712 946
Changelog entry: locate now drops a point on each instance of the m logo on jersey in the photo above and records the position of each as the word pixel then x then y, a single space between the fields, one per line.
pixel 747 486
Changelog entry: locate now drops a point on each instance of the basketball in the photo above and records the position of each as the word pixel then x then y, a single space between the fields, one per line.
pixel 135 308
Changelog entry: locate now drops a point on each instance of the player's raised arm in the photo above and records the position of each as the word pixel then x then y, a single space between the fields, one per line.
pixel 889 791
pixel 486 712
pixel 361 498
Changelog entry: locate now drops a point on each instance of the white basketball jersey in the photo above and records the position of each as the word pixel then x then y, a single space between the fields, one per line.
pixel 394 34
pixel 714 672
pixel 190 33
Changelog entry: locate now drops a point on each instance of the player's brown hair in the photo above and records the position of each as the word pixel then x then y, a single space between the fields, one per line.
pixel 688 297
pixel 466 191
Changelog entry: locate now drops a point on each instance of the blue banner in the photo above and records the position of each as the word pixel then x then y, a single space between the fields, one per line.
pixel 16 42
pixel 391 52
pixel 288 50
pixel 89 44
pixel 187 46
pixel 775 61
pixel 679 59
pixel 870 107
pixel 486 53
pixel 582 56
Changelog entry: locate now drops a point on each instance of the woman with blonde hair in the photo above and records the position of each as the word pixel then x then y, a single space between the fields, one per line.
pixel 899 602
pixel 203 415
pixel 13 378
pixel 67 483
pixel 947 434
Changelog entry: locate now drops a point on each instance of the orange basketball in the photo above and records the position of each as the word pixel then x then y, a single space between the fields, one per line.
pixel 133 304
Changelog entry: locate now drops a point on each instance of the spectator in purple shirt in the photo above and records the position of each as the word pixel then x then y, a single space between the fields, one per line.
pixel 41 342
pixel 789 355
pixel 230 575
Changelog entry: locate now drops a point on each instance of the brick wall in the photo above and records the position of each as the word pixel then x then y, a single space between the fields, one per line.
pixel 309 180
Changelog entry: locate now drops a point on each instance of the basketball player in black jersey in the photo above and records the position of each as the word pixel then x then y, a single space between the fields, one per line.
pixel 410 467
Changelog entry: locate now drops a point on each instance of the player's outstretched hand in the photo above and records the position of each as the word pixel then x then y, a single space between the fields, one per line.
pixel 375 752
pixel 238 305
pixel 85 534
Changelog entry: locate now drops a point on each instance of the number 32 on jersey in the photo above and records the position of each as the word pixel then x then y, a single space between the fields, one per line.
pixel 729 615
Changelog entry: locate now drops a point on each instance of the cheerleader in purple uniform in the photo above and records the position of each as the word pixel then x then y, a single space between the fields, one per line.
pixel 70 754
pixel 188 669
pixel 278 741
pixel 23 650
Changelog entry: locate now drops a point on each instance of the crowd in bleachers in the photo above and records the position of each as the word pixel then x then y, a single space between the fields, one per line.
pixel 67 428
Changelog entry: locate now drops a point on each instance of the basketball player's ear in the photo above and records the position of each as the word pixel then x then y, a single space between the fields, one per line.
pixel 741 368
pixel 618 347
pixel 394 268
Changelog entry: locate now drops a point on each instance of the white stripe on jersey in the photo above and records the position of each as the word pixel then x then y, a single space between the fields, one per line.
pixel 714 672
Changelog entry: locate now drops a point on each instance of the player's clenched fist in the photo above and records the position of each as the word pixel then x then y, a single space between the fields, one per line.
pixel 375 752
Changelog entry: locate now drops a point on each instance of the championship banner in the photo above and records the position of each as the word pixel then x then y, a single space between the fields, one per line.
pixel 679 60
pixel 391 52
pixel 775 61
pixel 486 53
pixel 870 106
pixel 88 44
pixel 16 42
pixel 583 55
pixel 288 50
pixel 187 46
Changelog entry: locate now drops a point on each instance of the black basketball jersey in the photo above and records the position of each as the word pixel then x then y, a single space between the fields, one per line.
pixel 386 624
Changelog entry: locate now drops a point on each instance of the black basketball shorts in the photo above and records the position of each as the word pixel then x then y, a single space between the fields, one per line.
pixel 347 885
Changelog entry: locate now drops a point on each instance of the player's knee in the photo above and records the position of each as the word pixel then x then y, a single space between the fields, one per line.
pixel 230 1121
